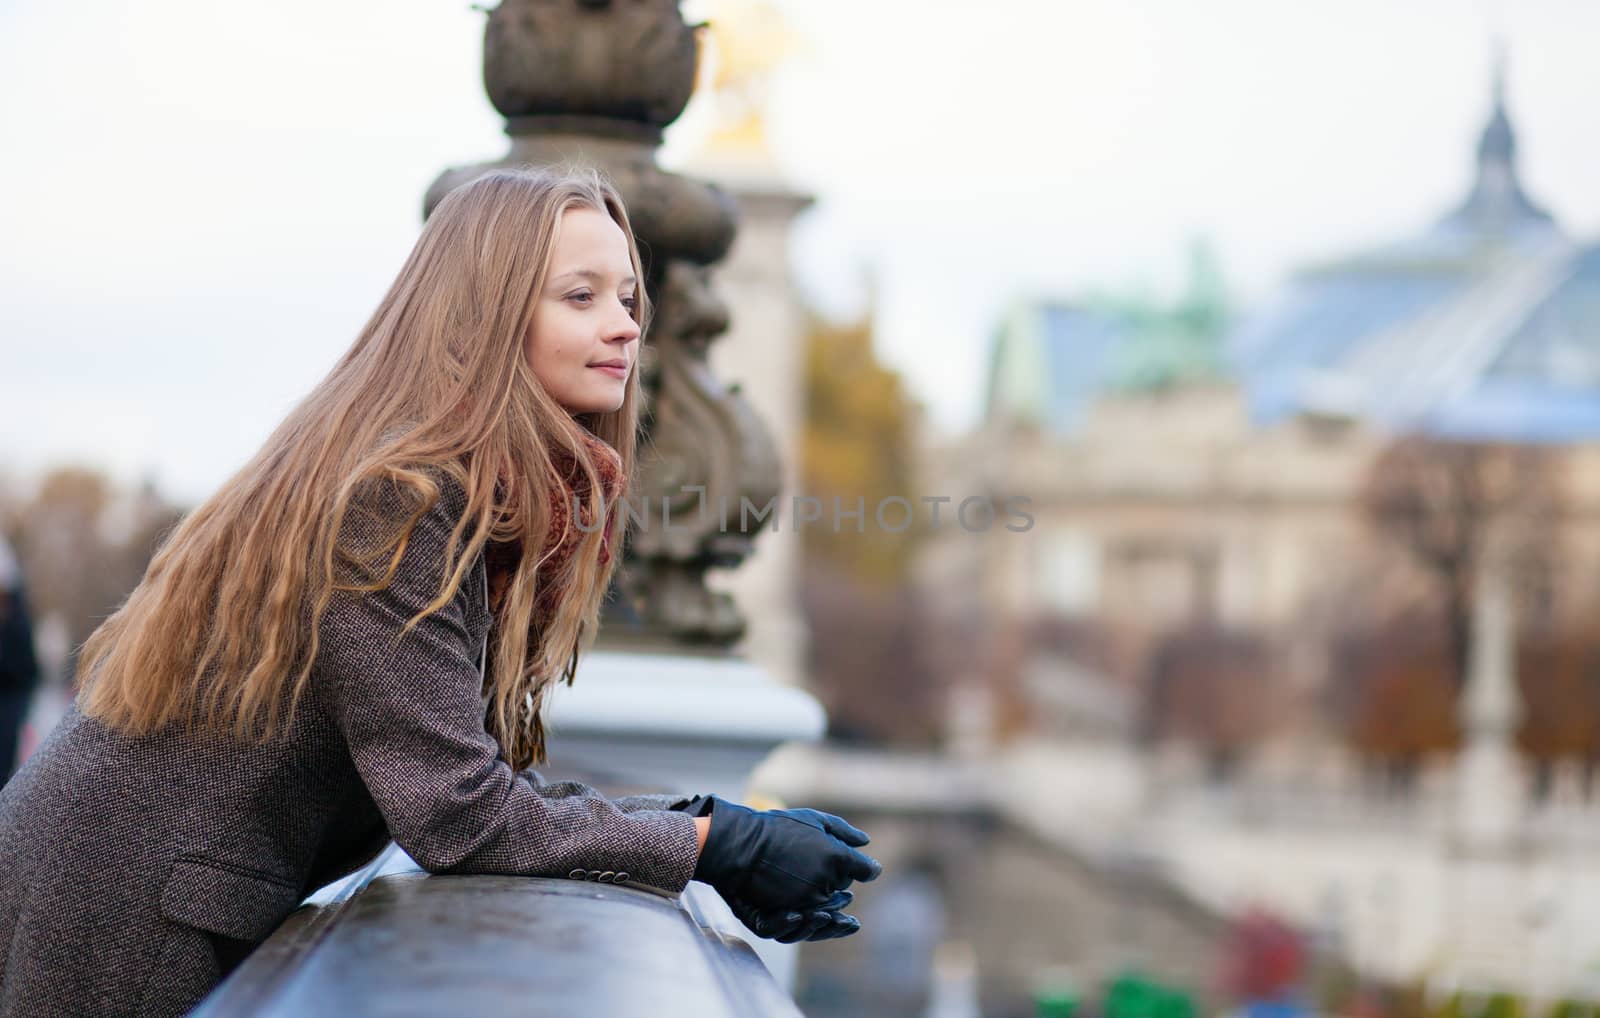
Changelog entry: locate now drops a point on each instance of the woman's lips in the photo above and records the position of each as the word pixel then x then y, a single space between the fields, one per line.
pixel 612 370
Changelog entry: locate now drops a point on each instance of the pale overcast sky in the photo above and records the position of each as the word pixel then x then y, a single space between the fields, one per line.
pixel 201 203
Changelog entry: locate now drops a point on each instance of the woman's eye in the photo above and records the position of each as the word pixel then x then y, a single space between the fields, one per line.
pixel 580 297
pixel 629 302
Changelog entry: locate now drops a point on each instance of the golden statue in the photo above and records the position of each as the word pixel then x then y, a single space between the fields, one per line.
pixel 748 41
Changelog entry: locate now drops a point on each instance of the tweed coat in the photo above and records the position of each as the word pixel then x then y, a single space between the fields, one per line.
pixel 136 869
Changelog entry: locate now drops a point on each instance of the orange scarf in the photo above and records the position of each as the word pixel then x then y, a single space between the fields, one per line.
pixel 562 539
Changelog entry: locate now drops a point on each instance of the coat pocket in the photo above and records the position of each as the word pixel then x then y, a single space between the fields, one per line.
pixel 220 899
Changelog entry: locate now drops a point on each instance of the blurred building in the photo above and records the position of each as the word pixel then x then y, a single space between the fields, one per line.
pixel 1199 491
pixel 1483 326
pixel 1187 470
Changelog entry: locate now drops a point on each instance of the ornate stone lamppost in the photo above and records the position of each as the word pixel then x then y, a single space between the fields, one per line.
pixel 591 82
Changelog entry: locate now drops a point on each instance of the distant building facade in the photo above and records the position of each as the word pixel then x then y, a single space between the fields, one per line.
pixel 1187 474
pixel 1187 469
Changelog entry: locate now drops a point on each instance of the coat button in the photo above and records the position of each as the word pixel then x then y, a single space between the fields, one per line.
pixel 576 874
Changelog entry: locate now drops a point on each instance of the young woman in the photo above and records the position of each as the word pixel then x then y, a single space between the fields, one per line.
pixel 351 641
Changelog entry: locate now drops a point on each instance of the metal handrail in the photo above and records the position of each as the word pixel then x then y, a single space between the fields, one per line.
pixel 397 941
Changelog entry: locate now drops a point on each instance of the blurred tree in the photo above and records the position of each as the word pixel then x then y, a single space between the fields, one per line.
pixel 858 445
pixel 1447 504
pixel 869 658
pixel 63 554
pixel 1394 695
pixel 1396 698
pixel 84 545
pixel 1558 673
pixel 1211 686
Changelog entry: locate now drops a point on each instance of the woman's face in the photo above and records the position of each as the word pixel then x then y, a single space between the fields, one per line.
pixel 584 341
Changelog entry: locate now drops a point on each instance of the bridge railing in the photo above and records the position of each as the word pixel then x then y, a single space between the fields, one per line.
pixel 394 940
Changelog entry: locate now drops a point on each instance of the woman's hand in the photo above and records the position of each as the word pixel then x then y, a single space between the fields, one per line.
pixel 825 922
pixel 782 871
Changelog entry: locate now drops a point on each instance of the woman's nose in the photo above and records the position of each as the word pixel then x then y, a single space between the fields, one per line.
pixel 624 327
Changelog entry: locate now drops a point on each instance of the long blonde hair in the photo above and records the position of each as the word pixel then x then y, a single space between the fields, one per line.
pixel 437 382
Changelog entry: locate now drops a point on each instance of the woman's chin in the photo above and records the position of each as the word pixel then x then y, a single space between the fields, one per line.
pixel 599 403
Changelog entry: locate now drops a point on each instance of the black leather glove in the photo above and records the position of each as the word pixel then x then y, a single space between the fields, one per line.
pixel 826 922
pixel 782 872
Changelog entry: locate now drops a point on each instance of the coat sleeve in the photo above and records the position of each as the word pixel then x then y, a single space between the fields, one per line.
pixel 626 803
pixel 409 708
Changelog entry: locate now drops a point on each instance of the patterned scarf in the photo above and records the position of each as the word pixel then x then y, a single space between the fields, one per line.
pixel 562 539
